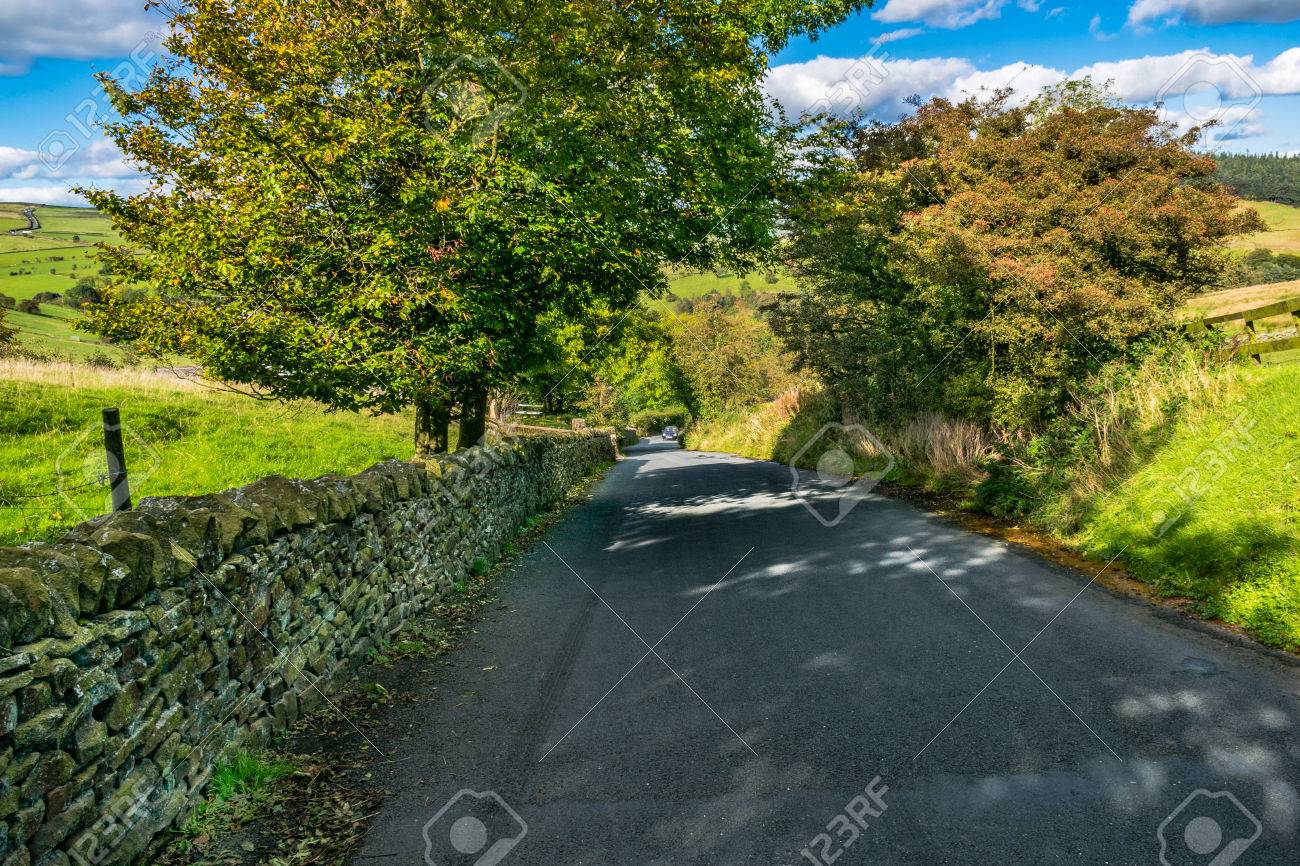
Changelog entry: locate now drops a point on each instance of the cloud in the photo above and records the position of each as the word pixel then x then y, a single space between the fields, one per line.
pixel 38 176
pixel 1214 11
pixel 895 35
pixel 1192 86
pixel 1094 27
pixel 74 29
pixel 949 14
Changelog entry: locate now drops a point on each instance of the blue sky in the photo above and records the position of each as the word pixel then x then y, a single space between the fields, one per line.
pixel 1234 60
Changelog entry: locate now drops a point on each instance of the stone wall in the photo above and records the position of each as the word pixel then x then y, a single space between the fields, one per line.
pixel 146 646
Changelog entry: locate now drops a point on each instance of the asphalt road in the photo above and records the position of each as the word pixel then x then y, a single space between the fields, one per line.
pixel 692 668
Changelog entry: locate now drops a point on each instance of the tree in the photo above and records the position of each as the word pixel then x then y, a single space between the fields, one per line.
pixel 374 204
pixel 8 335
pixel 984 258
pixel 728 358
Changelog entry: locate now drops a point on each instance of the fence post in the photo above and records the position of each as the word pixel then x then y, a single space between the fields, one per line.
pixel 116 460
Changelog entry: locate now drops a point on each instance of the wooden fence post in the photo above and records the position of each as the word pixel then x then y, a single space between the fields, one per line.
pixel 116 460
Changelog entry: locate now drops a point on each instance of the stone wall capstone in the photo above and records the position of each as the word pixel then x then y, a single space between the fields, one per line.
pixel 147 646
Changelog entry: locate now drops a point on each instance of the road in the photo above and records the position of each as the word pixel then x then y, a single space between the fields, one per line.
pixel 692 669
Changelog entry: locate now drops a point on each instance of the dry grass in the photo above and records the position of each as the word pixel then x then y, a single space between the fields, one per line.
pixel 950 448
pixel 82 376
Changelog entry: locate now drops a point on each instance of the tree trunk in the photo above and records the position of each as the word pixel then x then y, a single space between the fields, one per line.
pixel 432 419
pixel 473 417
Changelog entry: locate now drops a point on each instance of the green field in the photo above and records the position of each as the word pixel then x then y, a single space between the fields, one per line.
pixel 52 260
pixel 693 285
pixel 1283 234
pixel 180 439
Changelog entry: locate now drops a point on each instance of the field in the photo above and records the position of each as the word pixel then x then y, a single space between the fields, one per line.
pixel 1283 234
pixel 693 285
pixel 181 438
pixel 51 260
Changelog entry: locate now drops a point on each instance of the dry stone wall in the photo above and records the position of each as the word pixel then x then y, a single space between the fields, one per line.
pixel 147 646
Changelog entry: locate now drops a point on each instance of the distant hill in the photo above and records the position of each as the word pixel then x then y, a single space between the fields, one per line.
pixel 1263 178
pixel 50 260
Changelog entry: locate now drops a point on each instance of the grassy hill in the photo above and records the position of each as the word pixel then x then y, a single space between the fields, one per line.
pixel 1283 234
pixel 52 260
pixel 181 438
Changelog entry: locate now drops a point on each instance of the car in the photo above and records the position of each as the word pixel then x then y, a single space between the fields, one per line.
pixel 670 432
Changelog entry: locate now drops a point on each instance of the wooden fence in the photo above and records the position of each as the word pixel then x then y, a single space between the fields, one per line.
pixel 1257 343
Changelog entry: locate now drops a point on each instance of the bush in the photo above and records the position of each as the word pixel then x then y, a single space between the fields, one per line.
pixel 47 297
pixel 31 305
pixel 7 303
pixel 102 360
pixel 649 421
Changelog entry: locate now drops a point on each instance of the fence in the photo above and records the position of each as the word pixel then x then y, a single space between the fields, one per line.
pixel 1257 343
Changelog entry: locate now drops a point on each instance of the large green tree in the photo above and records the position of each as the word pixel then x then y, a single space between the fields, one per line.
pixel 984 258
pixel 374 203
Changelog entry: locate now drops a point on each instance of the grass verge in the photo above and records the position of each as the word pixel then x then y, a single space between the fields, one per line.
pixel 181 439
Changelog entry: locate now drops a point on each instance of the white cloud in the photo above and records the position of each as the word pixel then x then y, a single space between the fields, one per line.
pixel 1214 11
pixel 1094 27
pixel 1193 86
pixel 75 29
pixel 895 35
pixel 37 176
pixel 949 14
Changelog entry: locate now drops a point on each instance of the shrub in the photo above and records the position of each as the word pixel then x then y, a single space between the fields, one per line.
pixel 102 360
pixel 47 297
pixel 7 303
pixel 30 305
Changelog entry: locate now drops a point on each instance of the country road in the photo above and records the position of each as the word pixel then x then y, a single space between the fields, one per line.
pixel 692 669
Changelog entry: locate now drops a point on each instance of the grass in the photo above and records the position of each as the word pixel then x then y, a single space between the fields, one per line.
pixel 240 791
pixel 1228 477
pixel 181 439
pixel 52 260
pixel 1283 233
pixel 694 285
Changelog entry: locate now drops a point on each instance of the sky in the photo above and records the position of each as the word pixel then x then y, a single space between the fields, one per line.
pixel 1234 61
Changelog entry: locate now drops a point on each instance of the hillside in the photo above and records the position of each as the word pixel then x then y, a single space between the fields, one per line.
pixel 1283 234
pixel 52 259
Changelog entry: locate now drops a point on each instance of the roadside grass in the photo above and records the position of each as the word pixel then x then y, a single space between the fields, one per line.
pixel 181 439
pixel 1228 476
pixel 240 792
